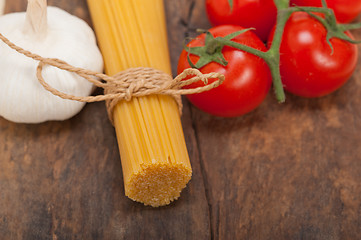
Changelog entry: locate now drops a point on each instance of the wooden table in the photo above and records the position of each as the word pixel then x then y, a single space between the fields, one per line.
pixel 290 171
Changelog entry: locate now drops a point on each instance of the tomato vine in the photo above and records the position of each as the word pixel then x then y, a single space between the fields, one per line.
pixel 212 51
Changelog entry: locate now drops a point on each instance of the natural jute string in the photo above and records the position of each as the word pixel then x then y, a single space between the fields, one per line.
pixel 133 82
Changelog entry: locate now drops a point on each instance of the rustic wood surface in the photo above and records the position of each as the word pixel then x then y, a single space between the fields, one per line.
pixel 290 171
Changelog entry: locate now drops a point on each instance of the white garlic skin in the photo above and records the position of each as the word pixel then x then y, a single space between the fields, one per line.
pixel 22 98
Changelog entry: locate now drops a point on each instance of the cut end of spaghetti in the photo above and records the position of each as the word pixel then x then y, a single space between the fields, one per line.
pixel 158 184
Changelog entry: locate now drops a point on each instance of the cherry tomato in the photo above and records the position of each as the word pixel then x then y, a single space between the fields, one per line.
pixel 345 10
pixel 260 14
pixel 247 77
pixel 308 66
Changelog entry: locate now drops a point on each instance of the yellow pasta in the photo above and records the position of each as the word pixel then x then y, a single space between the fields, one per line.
pixel 155 162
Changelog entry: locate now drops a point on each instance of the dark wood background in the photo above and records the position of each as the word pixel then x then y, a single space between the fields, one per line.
pixel 290 171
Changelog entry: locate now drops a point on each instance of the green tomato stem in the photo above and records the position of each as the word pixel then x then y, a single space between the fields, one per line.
pixel 282 4
pixel 351 26
pixel 243 48
pixel 273 54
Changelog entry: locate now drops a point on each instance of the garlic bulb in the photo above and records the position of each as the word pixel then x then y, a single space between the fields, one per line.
pixel 53 33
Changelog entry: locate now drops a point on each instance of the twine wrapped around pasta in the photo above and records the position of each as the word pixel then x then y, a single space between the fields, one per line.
pixel 133 82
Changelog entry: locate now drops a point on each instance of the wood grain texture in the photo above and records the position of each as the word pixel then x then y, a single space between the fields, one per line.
pixel 63 180
pixel 290 171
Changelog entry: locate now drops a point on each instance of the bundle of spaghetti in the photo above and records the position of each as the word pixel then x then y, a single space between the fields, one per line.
pixel 155 162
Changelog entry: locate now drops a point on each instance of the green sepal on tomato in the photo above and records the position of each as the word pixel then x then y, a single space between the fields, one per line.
pixel 247 77
pixel 309 65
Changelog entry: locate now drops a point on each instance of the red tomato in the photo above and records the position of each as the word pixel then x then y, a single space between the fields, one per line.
pixel 247 77
pixel 345 10
pixel 308 67
pixel 260 14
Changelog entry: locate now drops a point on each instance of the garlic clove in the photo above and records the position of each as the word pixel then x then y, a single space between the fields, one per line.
pixel 22 98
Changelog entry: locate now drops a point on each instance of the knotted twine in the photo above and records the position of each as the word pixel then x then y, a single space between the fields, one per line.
pixel 133 82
